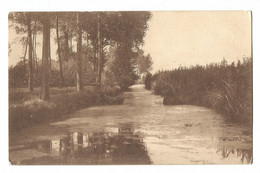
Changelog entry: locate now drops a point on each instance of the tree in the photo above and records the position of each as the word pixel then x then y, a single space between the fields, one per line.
pixel 59 56
pixel 22 21
pixel 128 32
pixel 144 63
pixel 30 80
pixel 79 52
pixel 45 57
pixel 99 52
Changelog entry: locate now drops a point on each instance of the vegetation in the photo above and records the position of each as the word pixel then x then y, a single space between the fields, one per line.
pixel 35 110
pixel 94 34
pixel 84 44
pixel 225 88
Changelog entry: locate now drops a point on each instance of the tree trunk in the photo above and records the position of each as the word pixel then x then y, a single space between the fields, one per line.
pixel 99 53
pixel 34 46
pixel 71 46
pixel 95 61
pixel 102 57
pixel 58 42
pixel 66 37
pixel 49 49
pixel 78 59
pixel 35 52
pixel 45 60
pixel 24 57
pixel 30 80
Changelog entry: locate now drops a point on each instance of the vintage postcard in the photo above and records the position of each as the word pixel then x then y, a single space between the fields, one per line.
pixel 130 87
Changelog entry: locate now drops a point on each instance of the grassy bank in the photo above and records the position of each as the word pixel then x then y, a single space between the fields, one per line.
pixel 222 87
pixel 35 111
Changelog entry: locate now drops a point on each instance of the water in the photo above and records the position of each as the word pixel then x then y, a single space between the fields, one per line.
pixel 141 131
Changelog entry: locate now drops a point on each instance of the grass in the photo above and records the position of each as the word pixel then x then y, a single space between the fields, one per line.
pixel 222 87
pixel 20 95
pixel 36 111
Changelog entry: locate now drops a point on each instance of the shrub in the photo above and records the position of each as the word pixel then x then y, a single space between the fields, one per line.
pixel 148 81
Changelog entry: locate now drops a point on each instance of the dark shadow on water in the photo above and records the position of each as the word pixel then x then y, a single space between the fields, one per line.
pixel 120 146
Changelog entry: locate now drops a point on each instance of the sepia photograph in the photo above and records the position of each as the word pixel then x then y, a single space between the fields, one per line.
pixel 130 88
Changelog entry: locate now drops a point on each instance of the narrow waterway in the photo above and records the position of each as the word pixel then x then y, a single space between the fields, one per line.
pixel 141 131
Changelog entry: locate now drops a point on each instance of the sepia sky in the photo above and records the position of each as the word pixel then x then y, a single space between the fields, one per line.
pixel 190 38
pixel 183 38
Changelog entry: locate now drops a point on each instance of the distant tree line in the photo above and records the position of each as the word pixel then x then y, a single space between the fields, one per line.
pixel 104 40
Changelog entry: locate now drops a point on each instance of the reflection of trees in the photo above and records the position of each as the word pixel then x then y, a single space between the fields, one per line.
pixel 121 147
pixel 244 154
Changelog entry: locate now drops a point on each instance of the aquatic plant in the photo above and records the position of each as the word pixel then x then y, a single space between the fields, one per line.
pixel 225 88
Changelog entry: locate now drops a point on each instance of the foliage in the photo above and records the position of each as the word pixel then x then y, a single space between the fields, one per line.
pixel 129 31
pixel 225 88
pixel 148 81
pixel 123 68
pixel 123 30
pixel 18 74
pixel 144 62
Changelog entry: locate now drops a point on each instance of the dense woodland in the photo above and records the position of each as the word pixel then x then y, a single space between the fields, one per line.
pixel 227 88
pixel 93 48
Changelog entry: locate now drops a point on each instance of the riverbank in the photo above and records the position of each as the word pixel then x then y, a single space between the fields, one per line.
pixel 36 111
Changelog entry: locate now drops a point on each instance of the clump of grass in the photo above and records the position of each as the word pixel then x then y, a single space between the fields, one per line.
pixel 225 88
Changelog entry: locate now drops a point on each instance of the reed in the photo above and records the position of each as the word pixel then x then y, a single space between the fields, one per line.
pixel 222 87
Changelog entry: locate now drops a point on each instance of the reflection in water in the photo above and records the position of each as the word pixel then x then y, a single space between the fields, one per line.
pixel 116 146
pixel 245 155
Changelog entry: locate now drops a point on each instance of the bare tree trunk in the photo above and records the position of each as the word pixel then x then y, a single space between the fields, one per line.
pixel 34 45
pixel 95 61
pixel 35 52
pixel 45 60
pixel 30 80
pixel 33 61
pixel 49 50
pixel 58 42
pixel 24 57
pixel 66 37
pixel 79 52
pixel 102 56
pixel 71 46
pixel 99 53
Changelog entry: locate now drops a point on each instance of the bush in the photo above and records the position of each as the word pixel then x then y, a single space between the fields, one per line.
pixel 148 81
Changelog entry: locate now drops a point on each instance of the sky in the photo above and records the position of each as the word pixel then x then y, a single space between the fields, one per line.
pixel 190 38
pixel 182 38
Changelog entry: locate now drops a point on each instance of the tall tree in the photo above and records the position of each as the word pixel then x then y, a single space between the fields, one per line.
pixel 99 64
pixel 30 80
pixel 59 56
pixel 128 31
pixel 79 84
pixel 45 57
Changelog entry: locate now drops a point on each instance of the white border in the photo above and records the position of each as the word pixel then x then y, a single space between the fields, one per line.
pixel 130 5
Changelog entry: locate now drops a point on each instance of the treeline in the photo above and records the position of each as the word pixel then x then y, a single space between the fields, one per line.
pixel 87 44
pixel 225 88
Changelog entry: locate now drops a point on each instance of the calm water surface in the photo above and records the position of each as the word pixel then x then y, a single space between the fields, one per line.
pixel 141 131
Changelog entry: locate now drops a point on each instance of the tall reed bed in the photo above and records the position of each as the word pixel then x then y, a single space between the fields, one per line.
pixel 222 87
